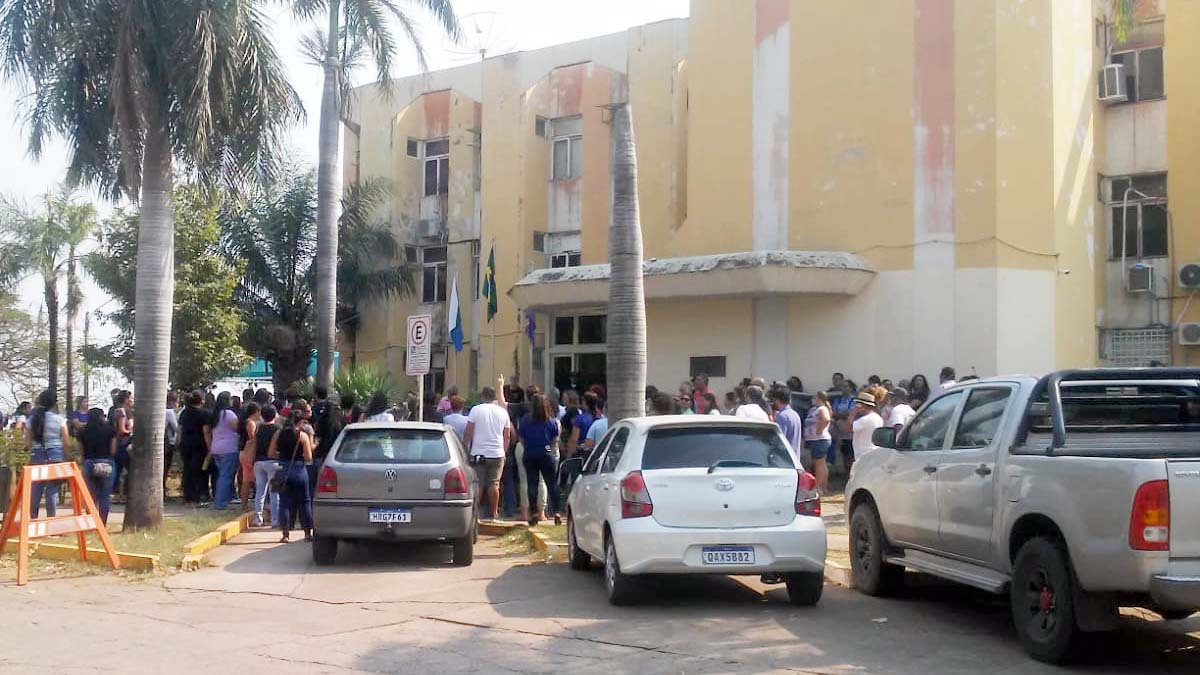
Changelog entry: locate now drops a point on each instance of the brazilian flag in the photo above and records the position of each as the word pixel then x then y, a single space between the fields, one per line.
pixel 489 284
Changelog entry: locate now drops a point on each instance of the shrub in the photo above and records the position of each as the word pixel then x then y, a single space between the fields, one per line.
pixel 363 382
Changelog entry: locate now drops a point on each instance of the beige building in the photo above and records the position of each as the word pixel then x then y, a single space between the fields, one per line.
pixel 857 186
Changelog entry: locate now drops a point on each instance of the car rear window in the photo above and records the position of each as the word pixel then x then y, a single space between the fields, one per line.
pixel 686 448
pixel 1125 407
pixel 393 446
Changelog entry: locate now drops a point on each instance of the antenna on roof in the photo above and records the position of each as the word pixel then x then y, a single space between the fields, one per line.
pixel 484 34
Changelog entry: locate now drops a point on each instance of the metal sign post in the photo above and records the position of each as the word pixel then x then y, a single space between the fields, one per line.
pixel 416 363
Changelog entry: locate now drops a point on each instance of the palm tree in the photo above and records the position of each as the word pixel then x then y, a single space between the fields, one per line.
pixel 78 219
pixel 32 242
pixel 135 86
pixel 626 297
pixel 273 233
pixel 352 23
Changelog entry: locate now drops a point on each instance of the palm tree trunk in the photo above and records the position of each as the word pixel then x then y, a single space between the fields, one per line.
pixel 152 329
pixel 72 308
pixel 327 204
pixel 51 292
pixel 626 297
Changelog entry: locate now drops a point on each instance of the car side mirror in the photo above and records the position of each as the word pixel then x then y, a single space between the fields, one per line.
pixel 884 437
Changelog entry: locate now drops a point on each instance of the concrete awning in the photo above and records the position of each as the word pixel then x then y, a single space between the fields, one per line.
pixel 750 274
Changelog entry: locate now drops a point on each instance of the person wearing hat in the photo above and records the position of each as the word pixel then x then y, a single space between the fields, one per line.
pixel 863 422
pixel 902 412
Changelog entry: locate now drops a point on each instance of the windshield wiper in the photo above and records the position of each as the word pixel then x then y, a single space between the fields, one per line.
pixel 731 462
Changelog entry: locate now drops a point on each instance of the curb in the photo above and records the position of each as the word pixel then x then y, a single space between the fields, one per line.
pixel 499 529
pixel 837 574
pixel 542 543
pixel 97 556
pixel 194 551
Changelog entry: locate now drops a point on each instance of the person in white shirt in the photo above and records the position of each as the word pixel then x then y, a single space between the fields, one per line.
pixel 902 412
pixel 863 422
pixel 756 407
pixel 946 379
pixel 455 419
pixel 489 432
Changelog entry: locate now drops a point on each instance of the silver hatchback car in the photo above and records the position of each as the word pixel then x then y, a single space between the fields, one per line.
pixel 395 482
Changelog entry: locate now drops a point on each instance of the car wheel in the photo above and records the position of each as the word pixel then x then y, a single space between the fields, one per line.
pixel 870 573
pixel 1042 596
pixel 622 588
pixel 464 549
pixel 804 588
pixel 324 550
pixel 576 556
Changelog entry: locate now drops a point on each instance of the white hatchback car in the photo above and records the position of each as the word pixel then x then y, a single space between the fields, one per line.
pixel 696 494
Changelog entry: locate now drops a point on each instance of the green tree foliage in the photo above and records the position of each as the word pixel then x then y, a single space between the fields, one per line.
pixel 274 232
pixel 364 381
pixel 207 327
pixel 24 351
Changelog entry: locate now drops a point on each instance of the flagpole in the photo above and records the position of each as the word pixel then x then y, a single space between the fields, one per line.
pixel 492 321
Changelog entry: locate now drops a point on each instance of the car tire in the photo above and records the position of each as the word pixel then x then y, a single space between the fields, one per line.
pixel 1042 598
pixel 576 556
pixel 622 588
pixel 805 588
pixel 324 550
pixel 870 573
pixel 464 550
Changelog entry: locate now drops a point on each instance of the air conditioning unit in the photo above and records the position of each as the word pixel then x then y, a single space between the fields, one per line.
pixel 1140 279
pixel 1189 334
pixel 1189 275
pixel 539 241
pixel 1112 84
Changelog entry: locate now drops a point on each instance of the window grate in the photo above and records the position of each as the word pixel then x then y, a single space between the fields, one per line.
pixel 1136 347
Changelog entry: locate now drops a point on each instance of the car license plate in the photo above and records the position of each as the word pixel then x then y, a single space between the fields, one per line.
pixel 727 555
pixel 389 515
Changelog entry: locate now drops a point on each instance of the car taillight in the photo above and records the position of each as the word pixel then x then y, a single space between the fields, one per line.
pixel 1150 522
pixel 808 499
pixel 455 482
pixel 635 498
pixel 327 481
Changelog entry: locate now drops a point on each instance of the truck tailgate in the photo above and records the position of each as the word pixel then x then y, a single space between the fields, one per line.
pixel 1184 483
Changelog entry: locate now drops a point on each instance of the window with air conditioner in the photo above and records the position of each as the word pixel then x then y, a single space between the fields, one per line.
pixel 562 249
pixel 433 274
pixel 566 259
pixel 1143 71
pixel 437 167
pixel 566 148
pixel 1137 205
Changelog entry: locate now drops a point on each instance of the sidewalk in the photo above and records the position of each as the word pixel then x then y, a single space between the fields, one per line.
pixel 837 531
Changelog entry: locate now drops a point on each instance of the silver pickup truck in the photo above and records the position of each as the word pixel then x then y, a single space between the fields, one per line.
pixel 1075 494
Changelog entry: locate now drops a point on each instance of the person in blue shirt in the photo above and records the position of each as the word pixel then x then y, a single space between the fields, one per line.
pixel 538 430
pixel 788 420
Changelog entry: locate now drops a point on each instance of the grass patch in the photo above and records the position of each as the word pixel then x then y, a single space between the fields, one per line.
pixel 166 542
pixel 555 533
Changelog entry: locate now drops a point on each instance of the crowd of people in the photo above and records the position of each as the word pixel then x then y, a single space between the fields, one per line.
pixel 265 451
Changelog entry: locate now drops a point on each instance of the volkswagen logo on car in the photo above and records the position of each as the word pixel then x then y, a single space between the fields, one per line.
pixel 723 484
pixel 390 474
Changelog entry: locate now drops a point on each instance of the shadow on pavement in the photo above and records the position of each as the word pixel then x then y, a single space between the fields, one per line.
pixel 352 558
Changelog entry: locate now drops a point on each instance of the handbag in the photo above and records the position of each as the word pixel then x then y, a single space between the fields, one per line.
pixel 279 480
pixel 102 470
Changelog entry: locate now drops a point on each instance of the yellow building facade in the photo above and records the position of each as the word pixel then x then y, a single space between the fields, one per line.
pixel 857 186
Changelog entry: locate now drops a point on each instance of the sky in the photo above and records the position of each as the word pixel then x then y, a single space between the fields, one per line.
pixel 502 26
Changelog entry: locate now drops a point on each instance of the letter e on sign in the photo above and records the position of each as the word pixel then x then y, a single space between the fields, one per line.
pixel 420 327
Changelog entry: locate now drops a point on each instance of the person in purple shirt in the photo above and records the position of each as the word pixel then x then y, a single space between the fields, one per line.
pixel 788 420
pixel 582 422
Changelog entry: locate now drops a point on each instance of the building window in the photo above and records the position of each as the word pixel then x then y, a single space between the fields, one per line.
pixel 593 329
pixel 435 379
pixel 1143 73
pixel 566 259
pixel 1135 347
pixel 566 148
pixel 564 330
pixel 437 167
pixel 710 366
pixel 1138 209
pixel 433 274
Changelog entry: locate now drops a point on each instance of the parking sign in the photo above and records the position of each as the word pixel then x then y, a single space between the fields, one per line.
pixel 420 328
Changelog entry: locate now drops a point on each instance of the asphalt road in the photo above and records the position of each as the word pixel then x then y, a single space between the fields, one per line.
pixel 268 609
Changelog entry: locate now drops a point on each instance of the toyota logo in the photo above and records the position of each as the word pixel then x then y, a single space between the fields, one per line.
pixel 723 484
pixel 390 474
